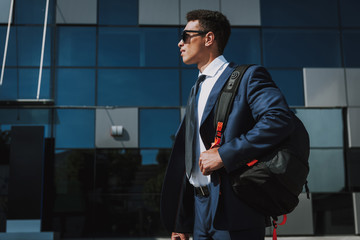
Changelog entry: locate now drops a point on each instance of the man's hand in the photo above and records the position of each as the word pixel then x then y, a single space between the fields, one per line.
pixel 180 236
pixel 210 161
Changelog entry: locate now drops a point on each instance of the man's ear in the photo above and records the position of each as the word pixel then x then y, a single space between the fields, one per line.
pixel 209 39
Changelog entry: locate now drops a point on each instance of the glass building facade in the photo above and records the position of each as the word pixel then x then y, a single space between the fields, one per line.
pixel 116 63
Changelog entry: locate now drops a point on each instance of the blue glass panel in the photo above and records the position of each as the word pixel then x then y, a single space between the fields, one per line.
pixel 351 46
pixel 188 79
pixel 28 83
pixel 350 16
pixel 118 12
pixel 320 13
pixel 11 51
pixel 138 87
pixel 161 47
pixel 9 87
pixel 76 46
pixel 244 46
pixel 29 43
pixel 75 87
pixel 148 157
pixel 325 126
pixel 327 171
pixel 291 85
pixel 26 117
pixel 75 128
pixel 301 48
pixel 138 47
pixel 33 11
pixel 158 127
pixel 119 47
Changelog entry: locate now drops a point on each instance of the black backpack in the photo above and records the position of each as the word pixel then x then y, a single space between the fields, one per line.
pixel 271 183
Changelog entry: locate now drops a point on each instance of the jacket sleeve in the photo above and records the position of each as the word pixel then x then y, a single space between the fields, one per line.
pixel 270 117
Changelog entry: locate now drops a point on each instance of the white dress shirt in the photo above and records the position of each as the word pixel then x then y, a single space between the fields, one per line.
pixel 212 72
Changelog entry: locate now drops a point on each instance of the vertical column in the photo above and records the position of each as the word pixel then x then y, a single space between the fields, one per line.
pixel 26 179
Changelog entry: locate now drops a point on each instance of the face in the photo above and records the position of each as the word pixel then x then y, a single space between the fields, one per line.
pixel 192 50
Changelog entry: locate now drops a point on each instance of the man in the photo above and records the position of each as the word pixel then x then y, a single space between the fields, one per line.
pixel 197 197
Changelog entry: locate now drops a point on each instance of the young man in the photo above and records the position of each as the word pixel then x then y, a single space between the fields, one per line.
pixel 197 196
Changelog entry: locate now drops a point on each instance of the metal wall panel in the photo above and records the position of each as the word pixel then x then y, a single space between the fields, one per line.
pixel 242 12
pixel 354 127
pixel 127 118
pixel 162 12
pixel 324 87
pixel 76 11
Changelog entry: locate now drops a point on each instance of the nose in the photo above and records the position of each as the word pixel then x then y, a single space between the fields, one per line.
pixel 181 43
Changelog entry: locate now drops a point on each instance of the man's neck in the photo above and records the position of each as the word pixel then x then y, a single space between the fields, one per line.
pixel 201 66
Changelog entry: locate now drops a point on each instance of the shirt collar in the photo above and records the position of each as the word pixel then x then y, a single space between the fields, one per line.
pixel 214 66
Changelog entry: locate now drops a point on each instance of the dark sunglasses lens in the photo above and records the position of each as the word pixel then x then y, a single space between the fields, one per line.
pixel 184 36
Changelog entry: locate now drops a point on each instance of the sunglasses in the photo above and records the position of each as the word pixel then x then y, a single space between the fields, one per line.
pixel 185 36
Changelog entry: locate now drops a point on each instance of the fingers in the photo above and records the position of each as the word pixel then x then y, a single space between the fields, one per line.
pixel 210 161
pixel 179 236
pixel 205 171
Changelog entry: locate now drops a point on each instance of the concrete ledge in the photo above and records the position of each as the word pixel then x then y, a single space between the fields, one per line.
pixel 30 236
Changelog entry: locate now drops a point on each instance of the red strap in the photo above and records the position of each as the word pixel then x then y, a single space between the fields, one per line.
pixel 252 163
pixel 217 140
pixel 275 224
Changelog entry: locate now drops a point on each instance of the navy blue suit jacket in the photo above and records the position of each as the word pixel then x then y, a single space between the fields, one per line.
pixel 260 119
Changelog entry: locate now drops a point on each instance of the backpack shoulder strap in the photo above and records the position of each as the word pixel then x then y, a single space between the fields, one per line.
pixel 225 101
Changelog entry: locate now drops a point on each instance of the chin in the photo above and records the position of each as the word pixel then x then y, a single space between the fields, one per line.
pixel 187 61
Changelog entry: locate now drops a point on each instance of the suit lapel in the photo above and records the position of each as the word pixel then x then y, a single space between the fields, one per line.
pixel 216 91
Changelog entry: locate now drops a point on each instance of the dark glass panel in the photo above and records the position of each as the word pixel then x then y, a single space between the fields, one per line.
pixel 158 127
pixel 76 46
pixel 301 48
pixel 333 214
pixel 138 87
pixel 351 39
pixel 306 13
pixel 29 43
pixel 75 128
pixel 244 46
pixel 74 178
pixel 33 11
pixel 75 87
pixel 291 85
pixel 145 47
pixel 118 12
pixel 350 13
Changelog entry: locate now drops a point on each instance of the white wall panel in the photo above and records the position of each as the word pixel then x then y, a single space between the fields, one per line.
pixel 354 127
pixel 188 5
pixel 325 127
pixel 327 170
pixel 324 87
pixel 4 10
pixel 353 86
pixel 242 12
pixel 76 11
pixel 126 117
pixel 301 216
pixel 162 12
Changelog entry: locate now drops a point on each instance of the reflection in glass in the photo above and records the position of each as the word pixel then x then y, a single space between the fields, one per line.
pixel 301 48
pixel 158 127
pixel 127 194
pixel 75 128
pixel 76 46
pixel 73 182
pixel 138 87
pixel 75 87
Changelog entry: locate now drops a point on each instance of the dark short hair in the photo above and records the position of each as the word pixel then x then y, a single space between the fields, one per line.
pixel 213 21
